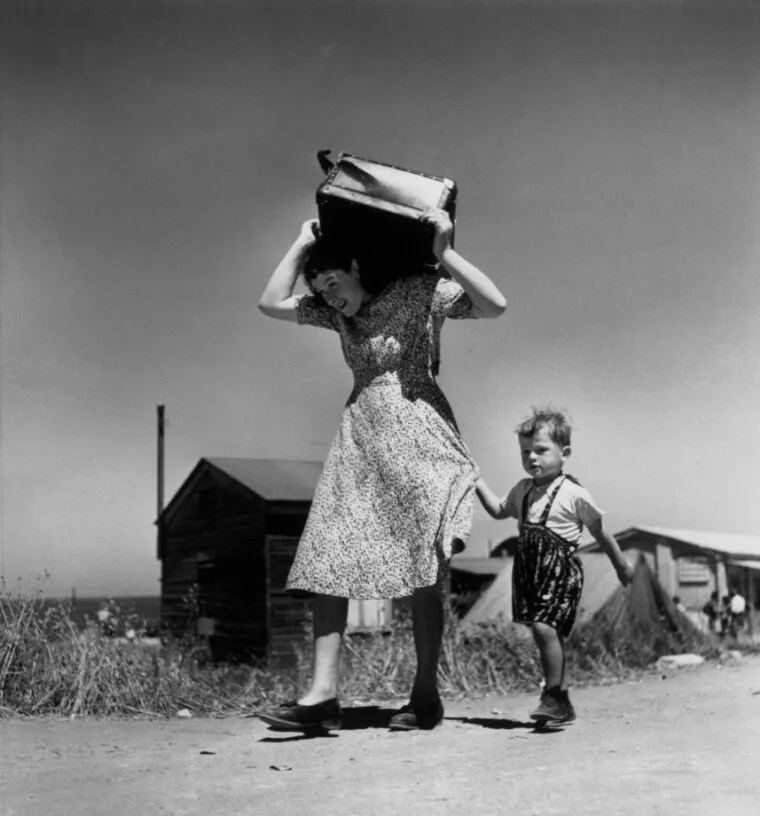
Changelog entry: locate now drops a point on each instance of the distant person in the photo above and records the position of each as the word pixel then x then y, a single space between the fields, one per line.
pixel 396 494
pixel 712 611
pixel 679 605
pixel 725 615
pixel 737 607
pixel 106 620
pixel 552 508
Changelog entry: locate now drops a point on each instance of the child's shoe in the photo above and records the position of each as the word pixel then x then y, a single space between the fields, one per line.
pixel 555 708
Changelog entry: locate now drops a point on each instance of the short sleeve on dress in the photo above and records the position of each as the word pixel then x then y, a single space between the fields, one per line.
pixel 311 310
pixel 450 300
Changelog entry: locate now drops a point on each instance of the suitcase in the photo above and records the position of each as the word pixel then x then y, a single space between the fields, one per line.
pixel 373 208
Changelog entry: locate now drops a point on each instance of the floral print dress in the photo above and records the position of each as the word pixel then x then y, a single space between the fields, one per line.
pixel 396 494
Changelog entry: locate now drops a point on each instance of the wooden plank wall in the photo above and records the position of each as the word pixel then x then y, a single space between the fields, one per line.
pixel 217 566
pixel 232 594
pixel 219 523
pixel 228 550
pixel 289 614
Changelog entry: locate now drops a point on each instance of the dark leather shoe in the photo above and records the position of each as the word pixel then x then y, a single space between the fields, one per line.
pixel 555 708
pixel 417 716
pixel 295 717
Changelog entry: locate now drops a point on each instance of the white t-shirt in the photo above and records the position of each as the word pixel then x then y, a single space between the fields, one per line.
pixel 572 508
pixel 738 605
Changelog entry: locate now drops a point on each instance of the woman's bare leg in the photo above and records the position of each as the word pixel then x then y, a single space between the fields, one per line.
pixel 329 617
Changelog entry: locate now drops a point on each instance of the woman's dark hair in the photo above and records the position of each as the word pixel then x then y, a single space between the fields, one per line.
pixel 376 270
pixel 323 255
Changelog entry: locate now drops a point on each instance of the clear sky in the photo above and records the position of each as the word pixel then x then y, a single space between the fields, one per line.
pixel 159 157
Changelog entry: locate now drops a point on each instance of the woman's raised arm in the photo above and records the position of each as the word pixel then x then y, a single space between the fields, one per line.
pixel 487 300
pixel 277 299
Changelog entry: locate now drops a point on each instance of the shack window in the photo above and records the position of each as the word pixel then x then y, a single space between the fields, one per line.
pixel 694 571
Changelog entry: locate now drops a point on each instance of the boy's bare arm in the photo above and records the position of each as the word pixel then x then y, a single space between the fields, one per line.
pixel 492 504
pixel 612 548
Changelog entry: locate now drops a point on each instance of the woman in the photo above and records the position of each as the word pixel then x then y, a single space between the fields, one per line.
pixel 395 498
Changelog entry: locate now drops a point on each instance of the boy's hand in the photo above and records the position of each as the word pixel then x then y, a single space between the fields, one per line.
pixel 440 222
pixel 625 573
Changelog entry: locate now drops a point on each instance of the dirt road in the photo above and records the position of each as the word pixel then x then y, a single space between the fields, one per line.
pixel 687 744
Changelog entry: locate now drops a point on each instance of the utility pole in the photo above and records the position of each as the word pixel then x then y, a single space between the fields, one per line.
pixel 160 483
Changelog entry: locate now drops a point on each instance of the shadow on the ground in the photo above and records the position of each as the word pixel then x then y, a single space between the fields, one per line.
pixel 359 718
pixel 362 718
pixel 493 722
pixel 292 736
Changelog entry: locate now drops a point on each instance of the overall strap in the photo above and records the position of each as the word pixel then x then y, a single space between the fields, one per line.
pixel 550 501
pixel 545 515
pixel 575 481
pixel 524 508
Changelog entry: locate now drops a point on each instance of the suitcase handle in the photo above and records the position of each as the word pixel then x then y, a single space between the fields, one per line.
pixel 325 163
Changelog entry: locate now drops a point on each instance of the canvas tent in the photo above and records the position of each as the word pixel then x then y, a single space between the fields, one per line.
pixel 642 620
pixel 496 602
pixel 694 563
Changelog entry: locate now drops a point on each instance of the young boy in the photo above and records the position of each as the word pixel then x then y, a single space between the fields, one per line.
pixel 551 508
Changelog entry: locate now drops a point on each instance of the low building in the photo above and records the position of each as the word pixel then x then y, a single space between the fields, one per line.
pixel 692 564
pixel 686 563
pixel 226 542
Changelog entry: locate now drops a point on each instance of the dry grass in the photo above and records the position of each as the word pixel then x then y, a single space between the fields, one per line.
pixel 49 665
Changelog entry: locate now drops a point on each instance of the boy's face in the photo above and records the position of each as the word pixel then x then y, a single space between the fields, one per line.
pixel 542 457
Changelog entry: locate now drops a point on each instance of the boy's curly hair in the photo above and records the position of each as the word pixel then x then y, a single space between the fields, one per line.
pixel 555 422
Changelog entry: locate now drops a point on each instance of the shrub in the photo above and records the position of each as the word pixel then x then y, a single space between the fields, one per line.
pixel 50 665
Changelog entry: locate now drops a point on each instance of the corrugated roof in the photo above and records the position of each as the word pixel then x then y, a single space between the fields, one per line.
pixel 729 544
pixel 273 479
pixel 746 564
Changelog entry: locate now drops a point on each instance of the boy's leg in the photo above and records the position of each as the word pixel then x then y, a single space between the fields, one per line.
pixel 552 652
pixel 555 706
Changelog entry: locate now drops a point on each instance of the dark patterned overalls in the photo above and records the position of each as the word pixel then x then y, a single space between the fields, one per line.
pixel 547 578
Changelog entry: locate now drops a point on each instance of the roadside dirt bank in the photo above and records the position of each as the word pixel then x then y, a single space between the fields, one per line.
pixel 687 742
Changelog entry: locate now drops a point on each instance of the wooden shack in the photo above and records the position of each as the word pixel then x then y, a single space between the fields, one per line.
pixel 226 541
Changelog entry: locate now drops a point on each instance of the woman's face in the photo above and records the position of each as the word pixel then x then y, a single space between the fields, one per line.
pixel 341 290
